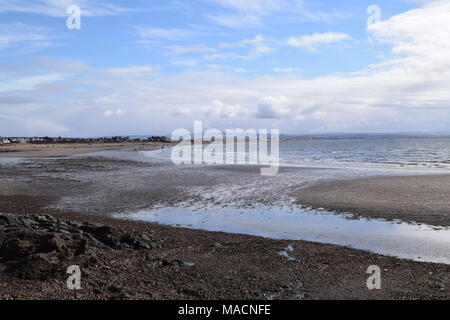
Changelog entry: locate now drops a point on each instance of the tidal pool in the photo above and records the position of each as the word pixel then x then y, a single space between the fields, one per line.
pixel 404 240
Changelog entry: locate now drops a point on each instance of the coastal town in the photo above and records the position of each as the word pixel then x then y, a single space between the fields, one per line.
pixel 63 140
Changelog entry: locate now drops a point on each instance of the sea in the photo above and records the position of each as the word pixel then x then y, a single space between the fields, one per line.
pixel 419 153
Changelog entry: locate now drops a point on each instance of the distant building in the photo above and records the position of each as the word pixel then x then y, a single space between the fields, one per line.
pixel 18 140
pixel 61 140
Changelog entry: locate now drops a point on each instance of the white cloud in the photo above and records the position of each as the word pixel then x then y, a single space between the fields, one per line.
pixel 57 8
pixel 285 70
pixel 216 67
pixel 174 50
pixel 406 92
pixel 261 49
pixel 257 40
pixel 258 46
pixel 251 13
pixel 406 34
pixel 255 6
pixel 117 112
pixel 216 110
pixel 190 63
pixel 273 108
pixel 314 41
pixel 131 72
pixel 167 34
pixel 24 37
pixel 224 55
pixel 29 82
pixel 237 20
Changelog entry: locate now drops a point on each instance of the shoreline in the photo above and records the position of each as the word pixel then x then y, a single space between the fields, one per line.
pixel 195 264
pixel 418 199
pixel 421 243
pixel 185 263
pixel 63 150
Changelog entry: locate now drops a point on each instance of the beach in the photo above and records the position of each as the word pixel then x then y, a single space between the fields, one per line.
pixel 421 199
pixel 87 192
pixel 25 150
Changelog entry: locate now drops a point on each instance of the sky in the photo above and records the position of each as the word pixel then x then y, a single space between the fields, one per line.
pixel 152 66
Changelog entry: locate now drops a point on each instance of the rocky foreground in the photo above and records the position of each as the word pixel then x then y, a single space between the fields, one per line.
pixel 131 260
pixel 39 247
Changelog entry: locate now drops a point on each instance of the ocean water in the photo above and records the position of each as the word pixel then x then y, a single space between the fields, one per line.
pixel 405 152
pixel 420 153
pixel 417 242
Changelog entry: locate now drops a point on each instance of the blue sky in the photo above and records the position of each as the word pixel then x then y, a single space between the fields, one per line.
pixel 151 66
pixel 150 31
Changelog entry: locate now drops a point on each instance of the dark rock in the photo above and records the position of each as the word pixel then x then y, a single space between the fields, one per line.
pixel 37 246
pixel 177 263
pixel 34 267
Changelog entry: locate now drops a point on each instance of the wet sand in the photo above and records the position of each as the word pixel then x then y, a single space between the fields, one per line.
pixel 23 150
pixel 188 264
pixel 421 199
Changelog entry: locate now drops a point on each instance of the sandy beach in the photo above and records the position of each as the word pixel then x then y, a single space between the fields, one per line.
pixel 137 260
pixel 61 150
pixel 421 199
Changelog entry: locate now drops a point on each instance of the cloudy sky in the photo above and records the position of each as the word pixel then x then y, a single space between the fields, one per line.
pixel 151 66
